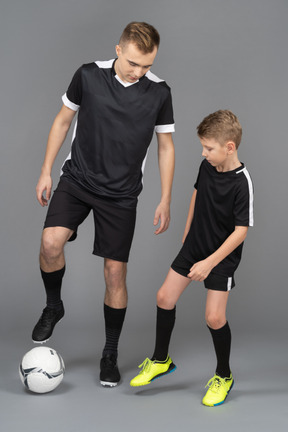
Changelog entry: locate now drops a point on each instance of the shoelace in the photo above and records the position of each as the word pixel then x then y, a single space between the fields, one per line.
pixel 146 365
pixel 216 383
pixel 47 315
pixel 110 362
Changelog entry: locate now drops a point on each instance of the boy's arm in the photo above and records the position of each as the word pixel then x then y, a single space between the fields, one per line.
pixel 56 138
pixel 190 215
pixel 166 160
pixel 200 270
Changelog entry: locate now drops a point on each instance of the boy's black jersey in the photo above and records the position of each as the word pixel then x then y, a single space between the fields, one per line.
pixel 224 200
pixel 115 125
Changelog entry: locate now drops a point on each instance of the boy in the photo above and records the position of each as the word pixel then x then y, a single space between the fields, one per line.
pixel 120 104
pixel 220 212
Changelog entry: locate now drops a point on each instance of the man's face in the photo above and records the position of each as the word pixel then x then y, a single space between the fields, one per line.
pixel 215 153
pixel 132 63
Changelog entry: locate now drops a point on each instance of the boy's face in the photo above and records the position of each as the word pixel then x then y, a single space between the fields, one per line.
pixel 215 153
pixel 132 63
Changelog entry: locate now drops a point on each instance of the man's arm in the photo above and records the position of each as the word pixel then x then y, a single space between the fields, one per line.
pixel 56 138
pixel 200 270
pixel 166 159
pixel 190 215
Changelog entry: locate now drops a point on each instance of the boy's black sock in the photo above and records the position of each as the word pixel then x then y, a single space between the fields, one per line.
pixel 114 319
pixel 164 326
pixel 52 283
pixel 222 344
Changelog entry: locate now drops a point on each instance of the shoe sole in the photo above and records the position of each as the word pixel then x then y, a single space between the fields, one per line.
pixel 171 369
pixel 221 403
pixel 46 340
pixel 108 384
pixel 40 342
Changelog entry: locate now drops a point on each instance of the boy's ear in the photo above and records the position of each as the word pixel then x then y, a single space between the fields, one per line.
pixel 231 147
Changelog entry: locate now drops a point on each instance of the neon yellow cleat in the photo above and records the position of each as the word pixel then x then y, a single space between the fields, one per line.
pixel 152 370
pixel 218 391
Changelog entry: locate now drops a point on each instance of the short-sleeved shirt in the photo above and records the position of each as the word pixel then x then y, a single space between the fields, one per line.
pixel 115 125
pixel 224 200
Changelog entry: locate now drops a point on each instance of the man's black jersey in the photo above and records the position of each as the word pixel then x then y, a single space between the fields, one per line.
pixel 224 200
pixel 114 128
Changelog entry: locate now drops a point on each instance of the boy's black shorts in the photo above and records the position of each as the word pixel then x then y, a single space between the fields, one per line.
pixel 114 225
pixel 213 281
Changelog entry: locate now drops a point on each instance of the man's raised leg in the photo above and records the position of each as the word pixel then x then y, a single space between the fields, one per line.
pixel 52 267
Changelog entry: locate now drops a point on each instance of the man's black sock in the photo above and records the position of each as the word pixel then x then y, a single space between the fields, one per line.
pixel 114 319
pixel 52 283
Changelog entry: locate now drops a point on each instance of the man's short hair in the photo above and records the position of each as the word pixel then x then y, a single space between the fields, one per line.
pixel 221 125
pixel 143 35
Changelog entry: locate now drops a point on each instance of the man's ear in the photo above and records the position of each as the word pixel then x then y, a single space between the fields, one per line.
pixel 118 50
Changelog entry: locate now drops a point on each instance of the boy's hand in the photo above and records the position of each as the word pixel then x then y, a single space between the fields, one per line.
pixel 162 214
pixel 200 270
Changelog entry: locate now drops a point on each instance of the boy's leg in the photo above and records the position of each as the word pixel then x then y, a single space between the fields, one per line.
pixel 215 316
pixel 167 297
pixel 171 290
pixel 165 320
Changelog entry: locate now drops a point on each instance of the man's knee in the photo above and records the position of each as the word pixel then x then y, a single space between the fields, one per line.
pixel 115 273
pixel 53 242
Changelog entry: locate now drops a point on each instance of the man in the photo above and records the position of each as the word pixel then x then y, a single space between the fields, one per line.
pixel 119 103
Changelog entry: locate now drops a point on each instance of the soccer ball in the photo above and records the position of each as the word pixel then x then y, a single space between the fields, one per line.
pixel 41 369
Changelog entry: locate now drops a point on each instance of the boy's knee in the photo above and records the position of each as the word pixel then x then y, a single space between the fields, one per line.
pixel 159 298
pixel 162 300
pixel 215 321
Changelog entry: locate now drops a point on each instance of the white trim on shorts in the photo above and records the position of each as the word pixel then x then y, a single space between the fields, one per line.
pixel 229 284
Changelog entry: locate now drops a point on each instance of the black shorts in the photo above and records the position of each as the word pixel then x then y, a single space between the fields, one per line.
pixel 213 281
pixel 114 225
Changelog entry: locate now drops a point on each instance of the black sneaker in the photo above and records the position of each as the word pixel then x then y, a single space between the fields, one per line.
pixel 109 372
pixel 44 327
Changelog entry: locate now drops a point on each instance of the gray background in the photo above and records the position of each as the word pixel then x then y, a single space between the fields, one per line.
pixel 214 54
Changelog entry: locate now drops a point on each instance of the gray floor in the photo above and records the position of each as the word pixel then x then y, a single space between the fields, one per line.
pixel 258 402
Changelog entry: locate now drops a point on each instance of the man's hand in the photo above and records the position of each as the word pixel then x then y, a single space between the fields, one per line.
pixel 44 185
pixel 200 270
pixel 162 215
pixel 56 138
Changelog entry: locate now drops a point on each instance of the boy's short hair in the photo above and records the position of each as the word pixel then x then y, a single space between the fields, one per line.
pixel 221 125
pixel 143 35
